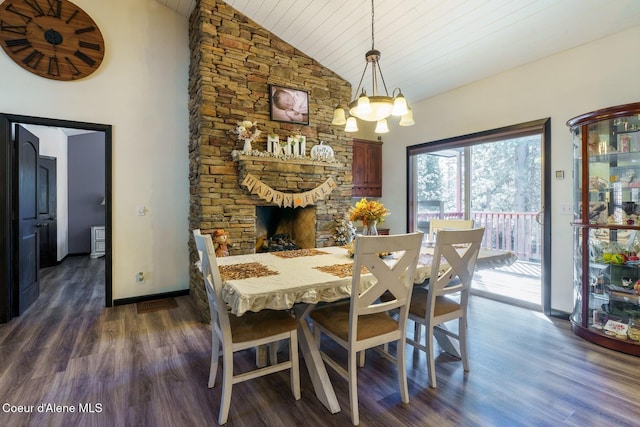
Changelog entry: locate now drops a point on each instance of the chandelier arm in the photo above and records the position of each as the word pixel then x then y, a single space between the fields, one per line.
pixel 384 84
pixel 374 79
pixel 360 83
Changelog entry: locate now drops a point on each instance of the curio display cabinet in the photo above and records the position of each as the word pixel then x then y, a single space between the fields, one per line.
pixel 606 146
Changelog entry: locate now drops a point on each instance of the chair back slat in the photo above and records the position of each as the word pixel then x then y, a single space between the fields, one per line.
pixel 459 250
pixel 396 279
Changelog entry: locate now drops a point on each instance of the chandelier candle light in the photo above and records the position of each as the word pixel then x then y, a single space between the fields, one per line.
pixel 376 107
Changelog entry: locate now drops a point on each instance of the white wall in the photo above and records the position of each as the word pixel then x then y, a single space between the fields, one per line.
pixel 596 75
pixel 53 143
pixel 141 90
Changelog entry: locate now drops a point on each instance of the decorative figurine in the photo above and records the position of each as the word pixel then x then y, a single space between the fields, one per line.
pixel 221 240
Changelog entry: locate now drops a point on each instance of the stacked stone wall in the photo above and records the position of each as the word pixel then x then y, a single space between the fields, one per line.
pixel 233 61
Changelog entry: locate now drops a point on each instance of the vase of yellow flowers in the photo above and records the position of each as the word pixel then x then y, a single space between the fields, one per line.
pixel 370 213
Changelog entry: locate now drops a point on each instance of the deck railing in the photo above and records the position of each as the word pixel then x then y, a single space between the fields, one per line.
pixel 518 232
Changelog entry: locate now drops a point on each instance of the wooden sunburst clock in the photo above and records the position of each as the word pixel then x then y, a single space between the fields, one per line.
pixel 54 39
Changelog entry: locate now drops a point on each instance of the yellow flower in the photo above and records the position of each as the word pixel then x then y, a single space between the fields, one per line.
pixel 368 211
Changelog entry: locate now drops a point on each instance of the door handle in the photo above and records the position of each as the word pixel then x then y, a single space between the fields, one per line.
pixel 540 218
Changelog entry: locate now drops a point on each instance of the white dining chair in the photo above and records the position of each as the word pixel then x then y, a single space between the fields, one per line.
pixel 434 226
pixel 234 333
pixel 364 321
pixel 439 224
pixel 447 295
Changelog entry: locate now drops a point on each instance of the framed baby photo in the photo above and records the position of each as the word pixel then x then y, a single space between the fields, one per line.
pixel 288 105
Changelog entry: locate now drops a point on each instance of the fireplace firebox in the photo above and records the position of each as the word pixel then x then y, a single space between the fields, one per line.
pixel 279 229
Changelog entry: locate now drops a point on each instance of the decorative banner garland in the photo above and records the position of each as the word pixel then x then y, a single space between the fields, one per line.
pixel 288 200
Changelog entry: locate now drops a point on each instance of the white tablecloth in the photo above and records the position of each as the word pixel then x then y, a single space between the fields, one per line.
pixel 297 280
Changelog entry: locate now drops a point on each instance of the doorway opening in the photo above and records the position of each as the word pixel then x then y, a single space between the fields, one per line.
pixel 497 179
pixel 10 203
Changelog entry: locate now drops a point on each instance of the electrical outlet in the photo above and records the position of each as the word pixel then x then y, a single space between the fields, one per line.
pixel 140 278
pixel 566 209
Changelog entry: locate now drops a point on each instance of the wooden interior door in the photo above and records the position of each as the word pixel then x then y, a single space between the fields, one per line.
pixel 27 148
pixel 47 208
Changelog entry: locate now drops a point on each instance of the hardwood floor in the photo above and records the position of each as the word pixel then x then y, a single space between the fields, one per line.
pixel 151 370
pixel 519 284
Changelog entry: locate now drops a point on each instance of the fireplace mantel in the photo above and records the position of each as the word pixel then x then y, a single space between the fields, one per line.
pixel 287 175
pixel 280 163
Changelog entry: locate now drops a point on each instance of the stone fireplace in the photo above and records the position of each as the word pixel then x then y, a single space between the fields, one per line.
pixel 233 60
pixel 314 223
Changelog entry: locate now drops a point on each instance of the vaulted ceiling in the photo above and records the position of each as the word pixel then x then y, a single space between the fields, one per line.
pixel 432 46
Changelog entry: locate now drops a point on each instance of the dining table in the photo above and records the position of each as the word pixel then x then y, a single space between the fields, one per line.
pixel 299 279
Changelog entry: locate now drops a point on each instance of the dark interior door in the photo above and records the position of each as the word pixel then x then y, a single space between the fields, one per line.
pixel 47 206
pixel 28 147
pixel 10 230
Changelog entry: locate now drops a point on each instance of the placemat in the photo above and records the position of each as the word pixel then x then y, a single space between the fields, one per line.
pixel 298 253
pixel 340 270
pixel 245 271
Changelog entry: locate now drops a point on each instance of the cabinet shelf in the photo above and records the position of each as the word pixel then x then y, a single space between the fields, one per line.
pixel 615 157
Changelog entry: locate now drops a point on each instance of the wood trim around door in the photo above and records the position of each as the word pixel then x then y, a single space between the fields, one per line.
pixel 7 222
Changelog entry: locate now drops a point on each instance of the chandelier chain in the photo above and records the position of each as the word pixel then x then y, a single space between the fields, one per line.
pixel 372 23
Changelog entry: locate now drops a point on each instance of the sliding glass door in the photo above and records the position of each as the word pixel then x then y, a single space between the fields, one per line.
pixel 495 179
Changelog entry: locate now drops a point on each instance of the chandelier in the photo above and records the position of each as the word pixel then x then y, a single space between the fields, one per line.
pixel 376 107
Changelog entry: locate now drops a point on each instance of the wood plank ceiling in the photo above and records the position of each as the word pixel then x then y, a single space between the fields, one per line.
pixel 432 46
